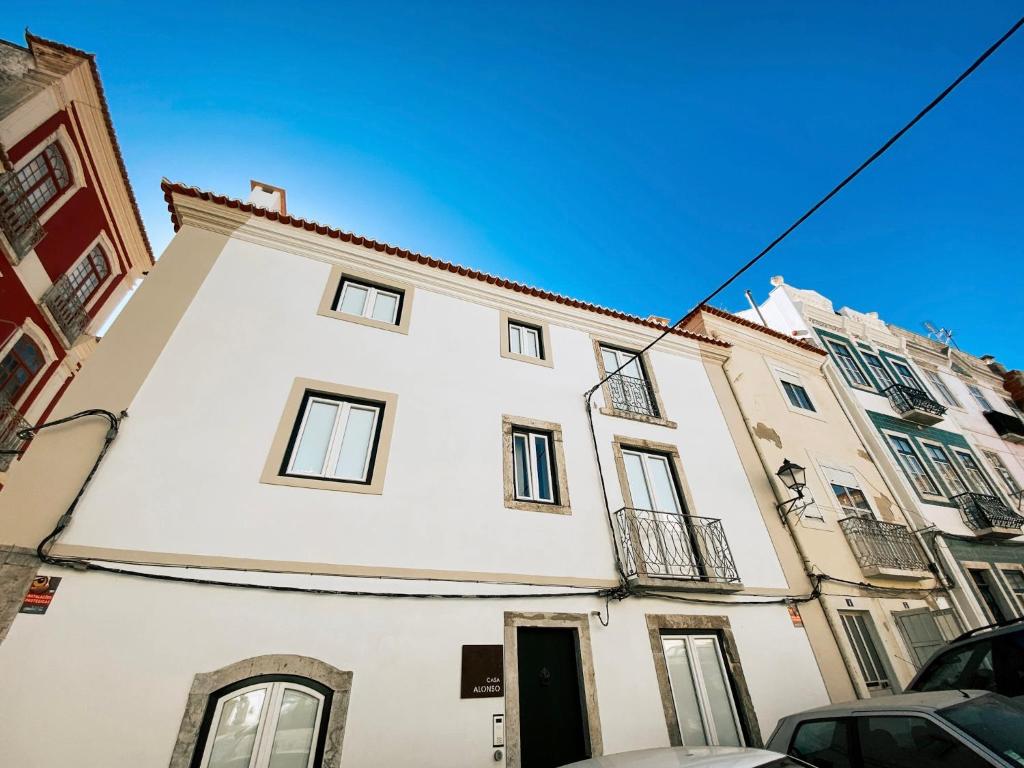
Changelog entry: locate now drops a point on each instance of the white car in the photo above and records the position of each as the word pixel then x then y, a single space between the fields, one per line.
pixel 693 757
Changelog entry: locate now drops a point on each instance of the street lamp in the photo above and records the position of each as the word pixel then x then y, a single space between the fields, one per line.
pixel 793 476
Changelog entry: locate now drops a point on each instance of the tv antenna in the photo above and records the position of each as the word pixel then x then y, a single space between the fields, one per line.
pixel 944 335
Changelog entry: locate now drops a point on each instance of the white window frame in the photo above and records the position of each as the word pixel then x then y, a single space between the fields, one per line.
pixel 790 396
pixel 908 379
pixel 979 397
pixel 953 465
pixel 1013 408
pixel 865 631
pixel 533 479
pixel 1003 472
pixel 853 371
pixel 656 503
pixel 942 388
pixel 334 443
pixel 901 460
pixel 700 688
pixel 879 370
pixel 371 300
pixel 61 137
pixel 1017 597
pixel 966 471
pixel 517 330
pixel 270 713
pixel 827 471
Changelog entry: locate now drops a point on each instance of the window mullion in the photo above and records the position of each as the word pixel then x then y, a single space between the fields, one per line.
pixel 264 738
pixel 337 436
pixel 531 464
pixel 371 301
pixel 710 733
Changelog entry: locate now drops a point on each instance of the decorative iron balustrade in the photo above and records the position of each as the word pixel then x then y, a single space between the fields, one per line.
pixel 981 510
pixel 904 399
pixel 631 394
pixel 883 545
pixel 18 221
pixel 67 309
pixel 673 546
pixel 11 423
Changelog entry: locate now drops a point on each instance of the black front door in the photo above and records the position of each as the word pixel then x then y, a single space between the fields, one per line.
pixel 552 726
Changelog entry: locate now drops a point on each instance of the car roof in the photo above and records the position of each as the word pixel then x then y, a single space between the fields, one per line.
pixel 683 757
pixel 914 702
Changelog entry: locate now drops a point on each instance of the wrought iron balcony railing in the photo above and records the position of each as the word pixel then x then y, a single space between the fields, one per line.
pixel 631 394
pixel 667 545
pixel 18 221
pixel 877 544
pixel 65 305
pixel 911 400
pixel 11 423
pixel 981 511
pixel 1008 427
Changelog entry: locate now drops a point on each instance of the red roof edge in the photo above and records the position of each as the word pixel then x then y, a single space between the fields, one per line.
pixel 756 326
pixel 171 188
pixel 91 58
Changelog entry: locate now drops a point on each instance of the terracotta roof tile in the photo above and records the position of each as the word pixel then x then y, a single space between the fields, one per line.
pixel 756 326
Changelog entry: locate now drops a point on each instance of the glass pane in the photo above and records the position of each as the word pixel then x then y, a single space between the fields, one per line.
pixel 355 444
pixel 311 451
pixel 353 299
pixel 540 446
pixel 385 307
pixel 994 722
pixel 530 337
pixel 514 343
pixel 684 695
pixel 522 466
pixel 718 694
pixel 662 485
pixel 611 360
pixel 235 736
pixel 823 743
pixel 911 742
pixel 293 740
pixel 637 483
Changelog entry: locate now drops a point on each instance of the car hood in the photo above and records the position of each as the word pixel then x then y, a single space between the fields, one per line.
pixel 683 757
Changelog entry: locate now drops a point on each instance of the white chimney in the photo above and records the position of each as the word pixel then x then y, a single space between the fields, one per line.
pixel 267 196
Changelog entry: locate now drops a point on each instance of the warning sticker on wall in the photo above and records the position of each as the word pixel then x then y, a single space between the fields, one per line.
pixel 40 594
pixel 794 615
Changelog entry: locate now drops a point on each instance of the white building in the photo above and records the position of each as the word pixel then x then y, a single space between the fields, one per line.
pixel 381 459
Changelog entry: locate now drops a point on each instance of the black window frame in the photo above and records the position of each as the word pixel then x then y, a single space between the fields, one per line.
pixel 363 282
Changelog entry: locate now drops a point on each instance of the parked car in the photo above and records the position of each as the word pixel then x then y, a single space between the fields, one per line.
pixel 989 659
pixel 693 757
pixel 947 729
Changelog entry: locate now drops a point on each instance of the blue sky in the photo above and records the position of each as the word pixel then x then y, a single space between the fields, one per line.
pixel 631 157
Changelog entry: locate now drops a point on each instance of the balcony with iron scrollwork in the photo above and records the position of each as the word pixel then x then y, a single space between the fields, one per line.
pixel 18 220
pixel 65 308
pixel 885 549
pixel 914 404
pixel 632 395
pixel 666 550
pixel 11 423
pixel 988 516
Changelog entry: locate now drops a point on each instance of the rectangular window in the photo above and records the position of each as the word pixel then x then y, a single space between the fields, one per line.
pixel 975 477
pixel 982 580
pixel 944 391
pixel 912 465
pixel 1009 481
pixel 906 375
pixel 847 362
pixel 533 467
pixel 45 177
pixel 629 388
pixel 701 693
pixel 878 369
pixel 945 469
pixel 979 398
pixel 1013 408
pixel 334 439
pixel 797 395
pixel 848 493
pixel 369 301
pixel 1015 579
pixel 860 633
pixel 525 340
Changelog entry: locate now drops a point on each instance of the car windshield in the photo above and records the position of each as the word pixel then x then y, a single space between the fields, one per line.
pixel 786 762
pixel 994 721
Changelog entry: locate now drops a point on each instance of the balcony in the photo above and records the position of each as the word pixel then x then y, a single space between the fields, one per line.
pixel 1008 427
pixel 65 309
pixel 632 395
pixel 885 549
pixel 11 423
pixel 17 219
pixel 914 404
pixel 671 551
pixel 987 516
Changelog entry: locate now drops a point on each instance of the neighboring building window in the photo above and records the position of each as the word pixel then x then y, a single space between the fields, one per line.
pixel 979 398
pixel 1009 481
pixel 525 340
pixel 860 633
pixel 1013 408
pixel 975 477
pixel 19 367
pixel 945 468
pixel 335 439
pixel 629 388
pixel 912 465
pixel 1015 579
pixel 878 368
pixel 265 724
pixel 533 463
pixel 982 580
pixel 797 395
pixel 846 361
pixel 701 692
pixel 906 375
pixel 944 391
pixel 88 275
pixel 369 301
pixel 45 177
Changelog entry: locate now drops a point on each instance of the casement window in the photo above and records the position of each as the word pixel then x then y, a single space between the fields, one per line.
pixel 1009 481
pixel 652 485
pixel 1013 408
pixel 525 340
pixel 334 439
pixel 912 465
pixel 629 388
pixel 986 588
pixel 847 491
pixel 701 692
pixel 860 632
pixel 944 391
pixel 88 274
pixel 45 177
pixel 979 398
pixel 1015 580
pixel 369 301
pixel 797 395
pixel 19 367
pixel 533 467
pixel 940 460
pixel 844 357
pixel 906 375
pixel 879 370
pixel 975 477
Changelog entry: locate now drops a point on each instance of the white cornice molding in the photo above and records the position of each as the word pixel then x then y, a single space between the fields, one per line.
pixel 763 344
